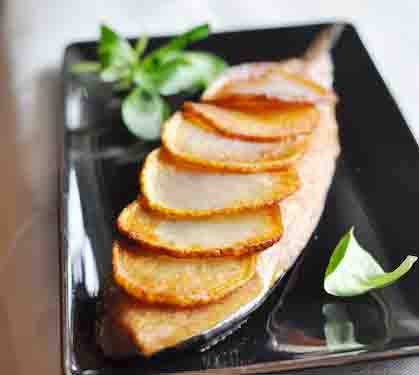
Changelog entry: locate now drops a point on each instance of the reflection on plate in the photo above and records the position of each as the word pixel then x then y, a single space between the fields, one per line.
pixel 356 324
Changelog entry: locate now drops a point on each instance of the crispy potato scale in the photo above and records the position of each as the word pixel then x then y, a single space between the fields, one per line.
pixel 272 83
pixel 152 328
pixel 216 236
pixel 254 121
pixel 198 144
pixel 208 192
pixel 161 279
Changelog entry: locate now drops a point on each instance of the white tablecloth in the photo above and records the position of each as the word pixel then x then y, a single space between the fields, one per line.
pixel 34 35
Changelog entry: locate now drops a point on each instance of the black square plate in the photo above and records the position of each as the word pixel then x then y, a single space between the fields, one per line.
pixel 375 189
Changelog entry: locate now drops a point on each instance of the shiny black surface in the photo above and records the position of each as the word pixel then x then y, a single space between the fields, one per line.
pixel 375 189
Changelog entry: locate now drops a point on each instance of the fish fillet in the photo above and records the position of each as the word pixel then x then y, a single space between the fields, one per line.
pixel 149 329
pixel 152 330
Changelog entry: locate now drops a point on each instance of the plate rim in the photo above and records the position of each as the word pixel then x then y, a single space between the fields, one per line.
pixel 311 362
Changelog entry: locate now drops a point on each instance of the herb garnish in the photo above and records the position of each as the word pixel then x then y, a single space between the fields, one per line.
pixel 353 271
pixel 165 71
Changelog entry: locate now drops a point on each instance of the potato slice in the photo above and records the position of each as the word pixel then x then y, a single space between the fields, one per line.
pixel 197 143
pixel 157 278
pixel 219 235
pixel 256 123
pixel 180 190
pixel 153 328
pixel 271 82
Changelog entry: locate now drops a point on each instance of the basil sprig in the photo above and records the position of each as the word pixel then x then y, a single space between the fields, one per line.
pixel 167 70
pixel 353 271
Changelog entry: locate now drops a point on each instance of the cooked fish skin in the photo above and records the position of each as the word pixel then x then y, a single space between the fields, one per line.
pixel 301 212
pixel 152 328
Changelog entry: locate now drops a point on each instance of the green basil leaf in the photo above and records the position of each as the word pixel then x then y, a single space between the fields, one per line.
pixel 143 112
pixel 198 70
pixel 85 67
pixel 144 79
pixel 123 84
pixel 141 46
pixel 116 55
pixel 183 40
pixel 180 42
pixel 353 271
pixel 153 79
pixel 116 73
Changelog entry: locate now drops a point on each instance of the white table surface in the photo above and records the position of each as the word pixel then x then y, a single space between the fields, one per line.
pixel 34 35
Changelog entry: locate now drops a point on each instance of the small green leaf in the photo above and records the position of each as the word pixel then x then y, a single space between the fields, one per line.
pixel 123 84
pixel 353 271
pixel 183 40
pixel 116 55
pixel 143 112
pixel 115 73
pixel 85 67
pixel 199 70
pixel 144 79
pixel 141 46
pixel 152 79
pixel 168 51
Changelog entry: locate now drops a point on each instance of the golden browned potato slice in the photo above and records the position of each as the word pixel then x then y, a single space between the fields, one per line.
pixel 179 190
pixel 257 123
pixel 153 328
pixel 197 143
pixel 160 279
pixel 218 235
pixel 271 82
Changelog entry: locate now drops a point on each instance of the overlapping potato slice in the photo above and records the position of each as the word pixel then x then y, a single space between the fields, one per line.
pixel 158 278
pixel 271 82
pixel 180 190
pixel 219 235
pixel 153 328
pixel 197 143
pixel 256 123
